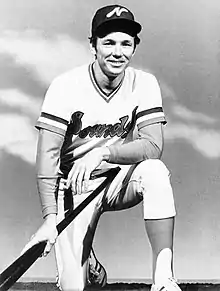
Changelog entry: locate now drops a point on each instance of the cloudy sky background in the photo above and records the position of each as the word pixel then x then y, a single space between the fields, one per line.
pixel 180 45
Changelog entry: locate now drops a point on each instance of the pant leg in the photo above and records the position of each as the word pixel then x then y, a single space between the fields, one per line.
pixel 73 245
pixel 148 181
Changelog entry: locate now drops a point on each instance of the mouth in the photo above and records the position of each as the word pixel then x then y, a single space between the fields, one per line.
pixel 115 63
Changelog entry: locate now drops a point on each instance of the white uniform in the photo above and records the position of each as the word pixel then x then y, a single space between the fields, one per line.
pixel 76 108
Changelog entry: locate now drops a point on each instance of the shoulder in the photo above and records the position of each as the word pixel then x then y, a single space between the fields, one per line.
pixel 144 75
pixel 142 78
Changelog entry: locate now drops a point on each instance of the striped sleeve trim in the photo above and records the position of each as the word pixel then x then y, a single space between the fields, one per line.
pixel 52 123
pixel 151 121
pixel 50 127
pixel 150 116
pixel 150 111
pixel 54 118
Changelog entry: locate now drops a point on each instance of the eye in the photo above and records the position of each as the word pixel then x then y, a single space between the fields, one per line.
pixel 108 43
pixel 127 44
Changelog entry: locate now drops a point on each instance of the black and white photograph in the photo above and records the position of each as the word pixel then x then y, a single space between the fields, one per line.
pixel 110 145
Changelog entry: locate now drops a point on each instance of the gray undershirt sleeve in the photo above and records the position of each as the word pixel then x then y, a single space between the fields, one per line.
pixel 148 145
pixel 47 167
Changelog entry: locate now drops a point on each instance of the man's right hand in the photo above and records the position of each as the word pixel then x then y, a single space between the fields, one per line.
pixel 47 232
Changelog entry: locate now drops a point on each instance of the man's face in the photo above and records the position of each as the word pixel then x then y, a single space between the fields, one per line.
pixel 114 52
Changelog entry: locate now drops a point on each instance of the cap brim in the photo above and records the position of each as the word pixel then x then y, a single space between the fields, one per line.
pixel 123 25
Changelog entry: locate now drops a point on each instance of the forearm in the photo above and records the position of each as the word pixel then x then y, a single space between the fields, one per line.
pixel 134 152
pixel 47 189
pixel 47 166
pixel 148 145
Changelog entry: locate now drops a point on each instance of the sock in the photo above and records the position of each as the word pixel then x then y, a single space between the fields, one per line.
pixel 163 269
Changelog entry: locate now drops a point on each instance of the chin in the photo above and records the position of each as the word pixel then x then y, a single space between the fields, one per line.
pixel 116 71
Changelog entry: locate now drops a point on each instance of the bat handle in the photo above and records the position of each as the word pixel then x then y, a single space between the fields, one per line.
pixel 71 214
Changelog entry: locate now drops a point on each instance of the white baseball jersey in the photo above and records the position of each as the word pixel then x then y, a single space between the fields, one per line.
pixel 77 108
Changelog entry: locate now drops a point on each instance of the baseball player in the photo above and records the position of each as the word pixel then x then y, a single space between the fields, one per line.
pixel 96 117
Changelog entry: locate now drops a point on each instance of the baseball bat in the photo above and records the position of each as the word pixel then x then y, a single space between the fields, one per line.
pixel 14 271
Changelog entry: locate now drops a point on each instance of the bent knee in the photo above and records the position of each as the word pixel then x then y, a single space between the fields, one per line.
pixel 152 169
pixel 156 189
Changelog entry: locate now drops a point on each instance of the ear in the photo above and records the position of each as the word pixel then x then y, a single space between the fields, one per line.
pixel 135 47
pixel 134 51
pixel 92 49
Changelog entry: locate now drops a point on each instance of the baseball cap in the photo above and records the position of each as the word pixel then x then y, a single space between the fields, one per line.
pixel 113 18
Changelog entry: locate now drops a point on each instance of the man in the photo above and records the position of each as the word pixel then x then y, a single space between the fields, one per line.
pixel 97 117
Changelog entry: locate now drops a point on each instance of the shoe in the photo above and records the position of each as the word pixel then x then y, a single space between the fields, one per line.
pixel 97 275
pixel 169 285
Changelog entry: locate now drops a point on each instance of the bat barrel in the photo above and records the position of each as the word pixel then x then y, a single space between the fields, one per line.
pixel 10 275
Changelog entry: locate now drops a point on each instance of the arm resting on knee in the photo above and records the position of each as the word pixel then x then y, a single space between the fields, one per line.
pixel 148 145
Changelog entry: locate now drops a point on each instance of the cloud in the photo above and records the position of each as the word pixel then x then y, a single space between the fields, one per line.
pixel 196 128
pixel 48 57
pixel 18 137
pixel 205 141
pixel 17 133
pixel 15 99
pixel 167 91
pixel 192 116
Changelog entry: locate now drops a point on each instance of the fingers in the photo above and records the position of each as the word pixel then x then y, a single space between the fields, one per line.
pixel 30 244
pixel 79 174
pixel 73 180
pixel 78 179
pixel 35 240
pixel 86 180
pixel 48 248
pixel 69 178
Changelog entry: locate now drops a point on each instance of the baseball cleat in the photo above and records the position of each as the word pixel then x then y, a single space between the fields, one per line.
pixel 97 275
pixel 169 285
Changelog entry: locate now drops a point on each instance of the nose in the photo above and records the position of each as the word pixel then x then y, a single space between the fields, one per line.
pixel 117 50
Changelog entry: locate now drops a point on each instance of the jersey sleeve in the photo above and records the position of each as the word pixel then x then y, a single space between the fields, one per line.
pixel 55 112
pixel 150 108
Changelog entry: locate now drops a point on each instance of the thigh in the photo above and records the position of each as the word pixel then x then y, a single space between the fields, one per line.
pixel 124 191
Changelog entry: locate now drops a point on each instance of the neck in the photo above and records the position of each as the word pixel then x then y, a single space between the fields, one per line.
pixel 106 83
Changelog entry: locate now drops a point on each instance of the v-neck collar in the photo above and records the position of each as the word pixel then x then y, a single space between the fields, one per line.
pixel 106 96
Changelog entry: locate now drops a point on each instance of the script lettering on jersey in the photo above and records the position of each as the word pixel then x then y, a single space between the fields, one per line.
pixel 120 129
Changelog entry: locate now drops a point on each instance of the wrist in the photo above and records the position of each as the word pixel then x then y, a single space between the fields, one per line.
pixel 51 218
